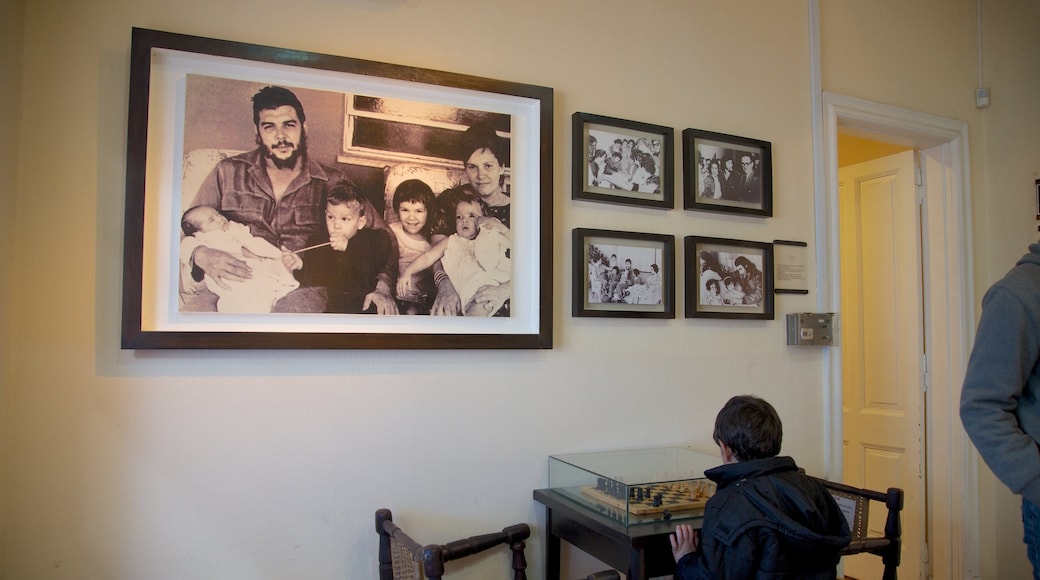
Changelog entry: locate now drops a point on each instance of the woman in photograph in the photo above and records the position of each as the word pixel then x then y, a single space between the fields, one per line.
pixel 711 187
pixel 485 157
pixel 711 269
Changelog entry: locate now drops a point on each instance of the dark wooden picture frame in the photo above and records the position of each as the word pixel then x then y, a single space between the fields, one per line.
pixel 164 68
pixel 728 278
pixel 621 161
pixel 644 283
pixel 716 174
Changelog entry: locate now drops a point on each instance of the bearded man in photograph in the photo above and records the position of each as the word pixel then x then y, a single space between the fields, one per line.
pixel 279 192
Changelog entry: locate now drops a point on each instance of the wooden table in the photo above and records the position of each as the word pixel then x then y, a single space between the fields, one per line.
pixel 643 550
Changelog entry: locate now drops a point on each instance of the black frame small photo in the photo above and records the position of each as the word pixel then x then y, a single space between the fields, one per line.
pixel 644 284
pixel 728 278
pixel 622 161
pixel 727 173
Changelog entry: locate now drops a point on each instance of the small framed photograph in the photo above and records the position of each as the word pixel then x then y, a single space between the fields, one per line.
pixel 726 173
pixel 728 278
pixel 620 161
pixel 623 274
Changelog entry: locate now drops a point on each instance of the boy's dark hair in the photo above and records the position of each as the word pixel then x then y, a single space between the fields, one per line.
pixel 483 136
pixel 272 97
pixel 750 427
pixel 343 193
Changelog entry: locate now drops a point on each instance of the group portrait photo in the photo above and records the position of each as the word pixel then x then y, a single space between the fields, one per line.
pixel 287 226
pixel 340 197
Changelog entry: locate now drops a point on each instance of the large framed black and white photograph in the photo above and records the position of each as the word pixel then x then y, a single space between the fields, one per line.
pixel 728 278
pixel 727 173
pixel 277 198
pixel 622 161
pixel 623 274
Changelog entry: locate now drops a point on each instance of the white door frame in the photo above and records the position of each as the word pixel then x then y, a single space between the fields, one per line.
pixel 952 484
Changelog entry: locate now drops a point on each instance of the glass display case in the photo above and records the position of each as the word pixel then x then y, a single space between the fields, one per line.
pixel 636 486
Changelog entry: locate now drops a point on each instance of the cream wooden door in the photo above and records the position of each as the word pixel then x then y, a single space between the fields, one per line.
pixel 882 347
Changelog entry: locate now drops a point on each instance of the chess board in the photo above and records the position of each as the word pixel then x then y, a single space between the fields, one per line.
pixel 675 497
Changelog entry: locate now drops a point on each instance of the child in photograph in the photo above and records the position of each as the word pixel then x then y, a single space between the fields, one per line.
pixel 271 280
pixel 731 293
pixel 767 519
pixel 348 267
pixel 613 277
pixel 713 293
pixel 476 255
pixel 413 201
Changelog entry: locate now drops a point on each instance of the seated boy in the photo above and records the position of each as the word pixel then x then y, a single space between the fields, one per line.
pixel 348 266
pixel 767 519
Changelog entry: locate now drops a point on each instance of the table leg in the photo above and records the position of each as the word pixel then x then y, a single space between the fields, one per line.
pixel 552 548
pixel 636 565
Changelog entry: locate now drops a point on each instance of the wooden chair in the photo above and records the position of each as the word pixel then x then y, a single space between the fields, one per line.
pixel 855 502
pixel 402 558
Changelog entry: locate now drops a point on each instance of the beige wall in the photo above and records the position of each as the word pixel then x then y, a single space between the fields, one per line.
pixel 852 150
pixel 270 464
pixel 1011 149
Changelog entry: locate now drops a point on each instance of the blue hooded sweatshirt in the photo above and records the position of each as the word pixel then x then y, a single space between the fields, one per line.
pixel 1000 400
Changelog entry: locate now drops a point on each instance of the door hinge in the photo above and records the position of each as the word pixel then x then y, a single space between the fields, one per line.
pixel 918 173
pixel 926 377
pixel 926 564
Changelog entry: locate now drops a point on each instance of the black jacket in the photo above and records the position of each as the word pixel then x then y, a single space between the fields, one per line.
pixel 767 520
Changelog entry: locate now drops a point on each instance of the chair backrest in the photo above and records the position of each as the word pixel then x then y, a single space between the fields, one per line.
pixel 855 503
pixel 402 558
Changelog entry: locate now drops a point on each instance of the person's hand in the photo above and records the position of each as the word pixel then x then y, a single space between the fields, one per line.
pixel 684 541
pixel 447 302
pixel 339 242
pixel 404 285
pixel 381 297
pixel 292 261
pixel 221 266
pixel 492 297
